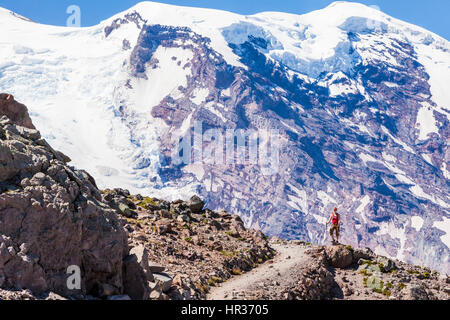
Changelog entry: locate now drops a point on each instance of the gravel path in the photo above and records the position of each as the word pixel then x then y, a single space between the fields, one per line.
pixel 289 261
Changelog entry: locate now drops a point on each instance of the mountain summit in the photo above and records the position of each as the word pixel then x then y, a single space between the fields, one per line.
pixel 359 99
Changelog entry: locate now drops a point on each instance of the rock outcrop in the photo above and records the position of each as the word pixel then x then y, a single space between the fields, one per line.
pixel 15 111
pixel 52 217
pixel 339 256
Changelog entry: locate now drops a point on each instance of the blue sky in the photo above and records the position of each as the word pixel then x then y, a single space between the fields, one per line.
pixel 430 14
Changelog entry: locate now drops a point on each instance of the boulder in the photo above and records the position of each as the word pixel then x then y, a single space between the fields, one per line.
pixel 155 268
pixel 365 254
pixel 195 204
pixel 165 214
pixel 15 111
pixel 54 222
pixel 142 257
pixel 163 226
pixel 126 211
pixel 164 281
pixel 339 256
pixel 134 279
pixel 416 292
pixel 386 264
pixel 183 218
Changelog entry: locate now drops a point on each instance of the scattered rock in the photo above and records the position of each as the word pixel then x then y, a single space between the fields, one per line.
pixel 386 264
pixel 155 267
pixel 164 281
pixel 135 279
pixel 415 292
pixel 196 204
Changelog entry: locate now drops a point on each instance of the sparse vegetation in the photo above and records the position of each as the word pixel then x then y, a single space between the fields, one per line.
pixel 227 254
pixel 146 202
pixel 216 279
pixel 411 271
pixel 203 288
pixel 236 272
pixel 365 281
pixel 365 272
pixel 211 282
pixel 401 286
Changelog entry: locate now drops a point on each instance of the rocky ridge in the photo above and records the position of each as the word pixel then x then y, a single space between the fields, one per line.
pixel 197 248
pixel 52 217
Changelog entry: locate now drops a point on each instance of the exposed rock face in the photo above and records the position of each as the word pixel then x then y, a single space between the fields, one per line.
pixel 15 111
pixel 196 204
pixel 52 217
pixel 339 256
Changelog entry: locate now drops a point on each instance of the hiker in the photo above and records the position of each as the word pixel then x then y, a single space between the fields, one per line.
pixel 335 220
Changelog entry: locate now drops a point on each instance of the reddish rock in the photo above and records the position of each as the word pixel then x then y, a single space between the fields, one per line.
pixel 15 111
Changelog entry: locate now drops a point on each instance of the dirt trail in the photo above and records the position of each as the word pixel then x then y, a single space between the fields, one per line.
pixel 289 261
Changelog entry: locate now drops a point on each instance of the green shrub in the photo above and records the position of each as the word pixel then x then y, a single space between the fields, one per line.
pixel 365 272
pixel 365 281
pixel 216 279
pixel 227 254
pixel 211 282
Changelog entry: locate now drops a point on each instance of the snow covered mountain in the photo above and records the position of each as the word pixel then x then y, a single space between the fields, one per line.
pixel 360 99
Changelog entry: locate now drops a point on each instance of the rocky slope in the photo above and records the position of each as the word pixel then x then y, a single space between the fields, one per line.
pixel 189 249
pixel 52 217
